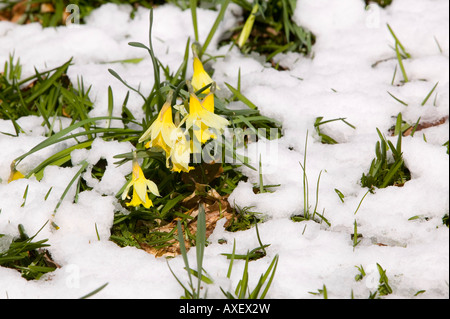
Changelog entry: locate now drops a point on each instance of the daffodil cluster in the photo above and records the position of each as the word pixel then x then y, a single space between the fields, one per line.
pixel 201 120
pixel 179 141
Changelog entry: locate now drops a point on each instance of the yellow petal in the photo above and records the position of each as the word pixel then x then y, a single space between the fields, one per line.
pixel 127 188
pixel 180 155
pixel 15 175
pixel 136 200
pixel 152 187
pixel 200 78
pixel 160 130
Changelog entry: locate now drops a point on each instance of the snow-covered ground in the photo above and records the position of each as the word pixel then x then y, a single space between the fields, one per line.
pixel 338 82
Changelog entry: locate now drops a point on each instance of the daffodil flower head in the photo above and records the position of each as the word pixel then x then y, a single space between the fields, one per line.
pixel 201 116
pixel 160 130
pixel 200 78
pixel 15 174
pixel 180 152
pixel 141 187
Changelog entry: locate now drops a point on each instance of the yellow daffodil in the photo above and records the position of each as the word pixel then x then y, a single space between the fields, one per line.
pixel 15 175
pixel 180 153
pixel 160 130
pixel 141 186
pixel 200 78
pixel 201 116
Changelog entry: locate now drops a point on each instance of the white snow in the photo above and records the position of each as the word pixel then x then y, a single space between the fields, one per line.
pixel 337 81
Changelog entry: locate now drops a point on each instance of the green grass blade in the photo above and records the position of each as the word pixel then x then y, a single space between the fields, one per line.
pixel 391 173
pixel 213 30
pixel 193 5
pixel 241 97
pixel 230 267
pixel 400 63
pixel 94 292
pixel 273 265
pixel 200 242
pixel 110 105
pixel 84 164
pixel 429 94
pixel 398 41
pixel 397 99
pixel 183 250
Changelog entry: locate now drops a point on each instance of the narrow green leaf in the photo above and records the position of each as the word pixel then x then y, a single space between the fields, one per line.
pixel 94 291
pixel 84 164
pixel 398 41
pixel 193 5
pixel 213 29
pixel 231 259
pixel 397 99
pixel 391 173
pixel 241 97
pixel 400 63
pixel 429 94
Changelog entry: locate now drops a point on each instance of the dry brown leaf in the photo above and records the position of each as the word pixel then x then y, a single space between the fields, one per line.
pixel 425 125
pixel 19 10
pixel 216 208
pixel 47 8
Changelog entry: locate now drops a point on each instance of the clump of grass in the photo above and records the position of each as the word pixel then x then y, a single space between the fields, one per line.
pixel 320 292
pixel 244 219
pixel 324 138
pixel 193 291
pixel 383 288
pixel 48 94
pixel 308 213
pixel 243 291
pixel 194 287
pixel 272 31
pixel 387 170
pixel 27 256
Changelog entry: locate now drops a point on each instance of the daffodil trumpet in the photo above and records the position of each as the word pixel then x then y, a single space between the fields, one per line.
pixel 161 129
pixel 201 116
pixel 141 187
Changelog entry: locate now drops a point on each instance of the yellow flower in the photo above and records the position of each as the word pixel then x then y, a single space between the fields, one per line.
pixel 200 78
pixel 15 174
pixel 160 130
pixel 180 153
pixel 201 117
pixel 141 186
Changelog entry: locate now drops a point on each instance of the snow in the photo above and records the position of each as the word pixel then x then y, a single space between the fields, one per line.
pixel 338 81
